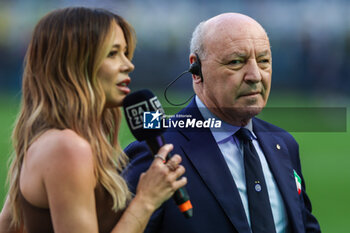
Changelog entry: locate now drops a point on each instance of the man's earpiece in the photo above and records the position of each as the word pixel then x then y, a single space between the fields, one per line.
pixel 196 68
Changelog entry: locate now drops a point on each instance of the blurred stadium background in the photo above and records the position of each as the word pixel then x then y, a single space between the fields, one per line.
pixel 311 68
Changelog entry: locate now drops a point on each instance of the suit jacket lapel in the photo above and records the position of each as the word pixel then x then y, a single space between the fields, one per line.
pixel 206 157
pixel 282 170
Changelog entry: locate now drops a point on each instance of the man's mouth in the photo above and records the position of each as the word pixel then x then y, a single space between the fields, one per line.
pixel 253 93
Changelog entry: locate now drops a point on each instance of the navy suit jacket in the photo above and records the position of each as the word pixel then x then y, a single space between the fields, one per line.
pixel 217 205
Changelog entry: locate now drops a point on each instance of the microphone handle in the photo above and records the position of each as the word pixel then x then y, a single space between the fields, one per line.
pixel 181 197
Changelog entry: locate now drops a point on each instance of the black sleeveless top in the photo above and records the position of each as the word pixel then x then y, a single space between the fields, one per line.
pixel 38 219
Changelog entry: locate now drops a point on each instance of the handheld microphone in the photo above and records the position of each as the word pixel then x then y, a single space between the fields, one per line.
pixel 137 106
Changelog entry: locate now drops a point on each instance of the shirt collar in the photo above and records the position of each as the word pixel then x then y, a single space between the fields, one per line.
pixel 227 130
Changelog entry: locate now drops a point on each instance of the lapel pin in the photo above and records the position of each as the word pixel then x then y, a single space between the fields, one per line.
pixel 278 146
pixel 257 187
pixel 297 181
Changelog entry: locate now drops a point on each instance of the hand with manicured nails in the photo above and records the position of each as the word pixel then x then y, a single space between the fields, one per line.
pixel 160 181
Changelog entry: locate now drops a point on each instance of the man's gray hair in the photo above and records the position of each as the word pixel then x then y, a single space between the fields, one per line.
pixel 196 45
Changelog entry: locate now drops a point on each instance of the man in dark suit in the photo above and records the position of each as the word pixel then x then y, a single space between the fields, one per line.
pixel 232 85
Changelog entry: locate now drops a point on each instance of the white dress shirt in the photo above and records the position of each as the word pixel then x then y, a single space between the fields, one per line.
pixel 232 150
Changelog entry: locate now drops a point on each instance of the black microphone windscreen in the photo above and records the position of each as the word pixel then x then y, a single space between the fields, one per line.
pixel 143 113
pixel 138 104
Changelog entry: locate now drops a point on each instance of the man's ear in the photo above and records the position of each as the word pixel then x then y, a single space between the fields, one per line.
pixel 196 72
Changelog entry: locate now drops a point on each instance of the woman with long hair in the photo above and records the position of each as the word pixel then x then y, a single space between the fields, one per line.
pixel 65 171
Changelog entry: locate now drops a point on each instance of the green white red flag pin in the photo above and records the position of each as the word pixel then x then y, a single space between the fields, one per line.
pixel 297 181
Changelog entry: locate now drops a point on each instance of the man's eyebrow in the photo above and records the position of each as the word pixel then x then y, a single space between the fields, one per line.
pixel 239 54
pixel 263 53
pixel 242 54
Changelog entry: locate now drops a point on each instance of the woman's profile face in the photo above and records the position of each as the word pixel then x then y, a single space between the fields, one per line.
pixel 114 71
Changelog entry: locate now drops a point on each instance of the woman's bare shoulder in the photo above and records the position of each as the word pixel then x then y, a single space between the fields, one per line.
pixel 64 142
pixel 57 160
pixel 61 151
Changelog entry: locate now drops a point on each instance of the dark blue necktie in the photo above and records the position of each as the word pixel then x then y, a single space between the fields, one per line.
pixel 261 218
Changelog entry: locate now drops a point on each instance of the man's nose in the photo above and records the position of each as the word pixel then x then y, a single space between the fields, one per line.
pixel 252 73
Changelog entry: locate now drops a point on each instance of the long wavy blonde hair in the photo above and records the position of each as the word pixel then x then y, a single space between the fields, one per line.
pixel 60 90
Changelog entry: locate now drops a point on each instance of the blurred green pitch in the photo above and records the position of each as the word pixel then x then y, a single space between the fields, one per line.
pixel 325 159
